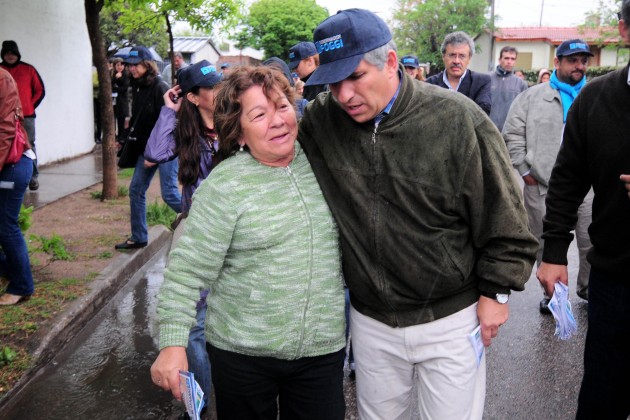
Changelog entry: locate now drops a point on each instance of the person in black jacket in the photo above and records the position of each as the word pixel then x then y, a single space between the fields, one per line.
pixel 595 153
pixel 148 92
pixel 457 50
pixel 120 91
pixel 304 60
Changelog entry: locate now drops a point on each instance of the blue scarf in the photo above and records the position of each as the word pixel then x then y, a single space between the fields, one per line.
pixel 568 92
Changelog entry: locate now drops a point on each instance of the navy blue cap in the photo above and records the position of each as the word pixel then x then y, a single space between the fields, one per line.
pixel 342 40
pixel 299 52
pixel 279 64
pixel 137 54
pixel 573 46
pixel 410 61
pixel 201 74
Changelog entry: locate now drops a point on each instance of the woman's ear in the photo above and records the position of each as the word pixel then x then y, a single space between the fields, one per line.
pixel 194 99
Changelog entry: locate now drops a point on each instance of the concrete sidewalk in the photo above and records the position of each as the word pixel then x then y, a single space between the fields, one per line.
pixel 61 179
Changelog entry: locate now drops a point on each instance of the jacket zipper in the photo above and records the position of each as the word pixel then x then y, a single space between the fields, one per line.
pixel 309 274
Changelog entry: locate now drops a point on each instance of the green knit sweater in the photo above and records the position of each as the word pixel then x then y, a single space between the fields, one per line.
pixel 263 240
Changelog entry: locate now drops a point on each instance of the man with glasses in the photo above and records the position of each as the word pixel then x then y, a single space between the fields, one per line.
pixel 595 154
pixel 533 134
pixel 457 50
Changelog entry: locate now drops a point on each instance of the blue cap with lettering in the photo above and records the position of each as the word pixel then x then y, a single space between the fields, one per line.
pixel 342 40
pixel 137 54
pixel 299 52
pixel 573 46
pixel 410 61
pixel 201 74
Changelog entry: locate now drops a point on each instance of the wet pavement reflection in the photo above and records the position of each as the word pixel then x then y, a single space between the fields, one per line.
pixel 104 372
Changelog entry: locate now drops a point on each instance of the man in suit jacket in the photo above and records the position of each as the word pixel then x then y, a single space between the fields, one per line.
pixel 457 50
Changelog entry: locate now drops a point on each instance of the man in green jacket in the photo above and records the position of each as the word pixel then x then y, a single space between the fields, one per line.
pixel 433 230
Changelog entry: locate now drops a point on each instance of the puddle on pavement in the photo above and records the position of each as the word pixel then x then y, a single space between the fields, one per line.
pixel 102 373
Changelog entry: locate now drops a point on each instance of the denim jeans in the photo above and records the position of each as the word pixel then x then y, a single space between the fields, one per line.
pixel 14 180
pixel 198 361
pixel 605 386
pixel 29 126
pixel 137 194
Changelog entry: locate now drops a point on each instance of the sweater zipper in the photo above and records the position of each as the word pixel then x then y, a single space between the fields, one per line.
pixel 309 274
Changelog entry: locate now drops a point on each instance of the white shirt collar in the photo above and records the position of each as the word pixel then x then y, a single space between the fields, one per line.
pixel 448 84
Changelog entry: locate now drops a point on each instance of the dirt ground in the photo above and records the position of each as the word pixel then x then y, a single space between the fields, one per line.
pixel 89 227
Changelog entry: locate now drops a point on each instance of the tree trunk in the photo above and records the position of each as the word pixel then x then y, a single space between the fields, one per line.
pixel 99 59
pixel 170 44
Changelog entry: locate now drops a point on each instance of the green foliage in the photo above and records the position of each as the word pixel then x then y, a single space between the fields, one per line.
pixel 123 26
pixel 125 173
pixel 123 191
pixel 420 27
pixel 105 255
pixel 7 355
pixel 277 25
pixel 25 218
pixel 160 214
pixel 55 246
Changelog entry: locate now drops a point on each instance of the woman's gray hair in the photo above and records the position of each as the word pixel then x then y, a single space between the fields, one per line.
pixel 456 38
pixel 378 57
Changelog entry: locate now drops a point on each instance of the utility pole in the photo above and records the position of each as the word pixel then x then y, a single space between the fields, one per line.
pixel 491 60
pixel 542 6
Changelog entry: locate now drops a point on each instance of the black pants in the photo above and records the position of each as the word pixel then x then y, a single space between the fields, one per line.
pixel 605 391
pixel 249 387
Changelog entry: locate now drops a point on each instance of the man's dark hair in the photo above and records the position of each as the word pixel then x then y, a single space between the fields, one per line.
pixel 507 49
pixel 625 11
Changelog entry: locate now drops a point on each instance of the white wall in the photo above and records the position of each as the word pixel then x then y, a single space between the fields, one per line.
pixel 52 36
pixel 206 53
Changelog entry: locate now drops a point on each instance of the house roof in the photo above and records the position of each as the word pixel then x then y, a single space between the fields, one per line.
pixel 192 44
pixel 555 36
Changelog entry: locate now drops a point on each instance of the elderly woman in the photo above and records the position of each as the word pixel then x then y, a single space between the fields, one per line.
pixel 260 236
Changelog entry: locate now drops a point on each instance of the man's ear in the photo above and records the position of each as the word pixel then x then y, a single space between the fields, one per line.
pixel 392 62
pixel 556 62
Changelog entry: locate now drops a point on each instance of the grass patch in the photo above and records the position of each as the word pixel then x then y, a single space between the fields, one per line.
pixel 105 255
pixel 12 371
pixel 123 191
pixel 55 246
pixel 160 214
pixel 25 218
pixel 125 173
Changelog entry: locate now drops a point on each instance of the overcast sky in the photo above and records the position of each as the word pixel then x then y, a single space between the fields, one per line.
pixel 511 12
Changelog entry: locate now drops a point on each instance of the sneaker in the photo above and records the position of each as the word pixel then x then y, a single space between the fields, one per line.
pixel 544 306
pixel 34 184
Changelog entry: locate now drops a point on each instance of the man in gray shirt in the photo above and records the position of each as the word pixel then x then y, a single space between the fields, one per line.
pixel 505 86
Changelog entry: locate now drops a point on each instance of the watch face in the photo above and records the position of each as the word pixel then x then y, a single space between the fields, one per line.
pixel 502 298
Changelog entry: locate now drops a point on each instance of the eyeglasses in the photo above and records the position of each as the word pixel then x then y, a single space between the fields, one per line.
pixel 453 56
pixel 575 60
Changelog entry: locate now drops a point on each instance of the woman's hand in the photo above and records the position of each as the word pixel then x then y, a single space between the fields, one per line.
pixel 172 99
pixel 165 369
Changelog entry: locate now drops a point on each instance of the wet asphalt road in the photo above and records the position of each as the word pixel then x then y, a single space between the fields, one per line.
pixel 104 372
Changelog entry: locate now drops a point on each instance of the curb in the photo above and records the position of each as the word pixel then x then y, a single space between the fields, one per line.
pixel 66 325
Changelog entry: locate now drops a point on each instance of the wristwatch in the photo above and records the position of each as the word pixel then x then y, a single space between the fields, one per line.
pixel 502 298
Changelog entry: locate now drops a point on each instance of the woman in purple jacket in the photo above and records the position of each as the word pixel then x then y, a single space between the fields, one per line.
pixel 186 129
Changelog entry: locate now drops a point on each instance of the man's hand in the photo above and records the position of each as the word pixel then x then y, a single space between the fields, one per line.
pixel 148 164
pixel 529 180
pixel 165 369
pixel 492 315
pixel 626 180
pixel 549 274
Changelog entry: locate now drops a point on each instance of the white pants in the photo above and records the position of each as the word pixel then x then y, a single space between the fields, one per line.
pixel 437 354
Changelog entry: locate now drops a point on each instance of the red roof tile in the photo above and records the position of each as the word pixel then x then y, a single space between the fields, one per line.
pixel 553 35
